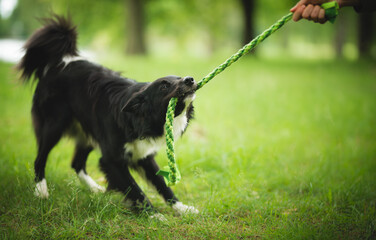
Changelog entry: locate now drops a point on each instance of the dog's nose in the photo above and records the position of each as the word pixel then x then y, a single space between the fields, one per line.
pixel 189 81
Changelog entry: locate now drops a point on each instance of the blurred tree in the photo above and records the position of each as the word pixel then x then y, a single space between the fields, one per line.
pixel 248 7
pixel 340 35
pixel 366 30
pixel 136 27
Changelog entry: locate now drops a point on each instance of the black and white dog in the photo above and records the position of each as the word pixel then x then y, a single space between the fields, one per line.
pixel 99 108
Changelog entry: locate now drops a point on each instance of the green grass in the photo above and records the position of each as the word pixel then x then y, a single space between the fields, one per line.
pixel 278 150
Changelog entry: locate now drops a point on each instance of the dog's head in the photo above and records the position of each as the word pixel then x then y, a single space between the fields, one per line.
pixel 152 100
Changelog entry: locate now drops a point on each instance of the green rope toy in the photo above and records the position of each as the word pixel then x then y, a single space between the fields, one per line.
pixel 173 175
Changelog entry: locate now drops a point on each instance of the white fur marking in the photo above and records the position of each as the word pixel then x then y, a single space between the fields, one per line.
pixel 143 148
pixel 88 181
pixel 190 99
pixel 41 189
pixel 181 208
pixel 180 123
pixel 69 59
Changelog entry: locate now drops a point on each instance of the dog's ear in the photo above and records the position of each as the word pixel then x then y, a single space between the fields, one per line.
pixel 134 103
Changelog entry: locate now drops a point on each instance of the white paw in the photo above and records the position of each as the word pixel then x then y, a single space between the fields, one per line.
pixel 98 189
pixel 158 216
pixel 182 209
pixel 41 189
pixel 88 181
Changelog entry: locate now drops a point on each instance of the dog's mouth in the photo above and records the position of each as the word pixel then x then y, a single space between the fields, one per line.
pixel 187 94
pixel 187 89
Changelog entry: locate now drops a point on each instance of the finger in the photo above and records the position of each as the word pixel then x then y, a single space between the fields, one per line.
pixel 307 12
pixel 315 13
pixel 322 19
pixel 298 13
pixel 293 9
pixel 306 2
pixel 299 4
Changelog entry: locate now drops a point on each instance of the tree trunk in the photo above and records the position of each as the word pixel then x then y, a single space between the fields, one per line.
pixel 340 35
pixel 365 34
pixel 248 7
pixel 135 27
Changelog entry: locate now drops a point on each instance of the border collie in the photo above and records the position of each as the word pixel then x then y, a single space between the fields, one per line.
pixel 99 108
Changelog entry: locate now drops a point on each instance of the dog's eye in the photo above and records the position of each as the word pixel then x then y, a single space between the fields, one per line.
pixel 165 85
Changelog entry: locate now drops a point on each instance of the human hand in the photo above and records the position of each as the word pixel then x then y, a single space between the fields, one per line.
pixel 310 10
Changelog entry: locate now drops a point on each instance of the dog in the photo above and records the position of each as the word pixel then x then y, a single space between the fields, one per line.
pixel 99 108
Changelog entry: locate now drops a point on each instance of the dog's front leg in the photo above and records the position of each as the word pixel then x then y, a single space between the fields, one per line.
pixel 120 179
pixel 149 168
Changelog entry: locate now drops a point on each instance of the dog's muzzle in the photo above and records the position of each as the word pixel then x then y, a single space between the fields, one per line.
pixel 188 88
pixel 189 81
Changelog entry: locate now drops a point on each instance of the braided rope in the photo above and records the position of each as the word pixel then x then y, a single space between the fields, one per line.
pixel 173 176
pixel 248 47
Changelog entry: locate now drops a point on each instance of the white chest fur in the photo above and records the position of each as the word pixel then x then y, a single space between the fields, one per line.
pixel 142 148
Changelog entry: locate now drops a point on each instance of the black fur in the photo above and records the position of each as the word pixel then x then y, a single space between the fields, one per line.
pixel 94 104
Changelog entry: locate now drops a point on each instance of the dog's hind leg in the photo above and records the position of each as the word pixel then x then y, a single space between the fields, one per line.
pixel 79 165
pixel 48 132
pixel 148 169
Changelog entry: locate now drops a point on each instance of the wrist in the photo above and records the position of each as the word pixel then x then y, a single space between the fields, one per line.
pixel 348 3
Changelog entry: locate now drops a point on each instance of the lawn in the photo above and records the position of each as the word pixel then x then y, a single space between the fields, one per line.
pixel 278 150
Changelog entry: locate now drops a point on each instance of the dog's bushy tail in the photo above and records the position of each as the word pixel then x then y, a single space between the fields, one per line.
pixel 48 46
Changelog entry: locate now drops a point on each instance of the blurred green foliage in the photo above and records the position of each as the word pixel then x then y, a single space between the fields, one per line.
pixel 195 27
